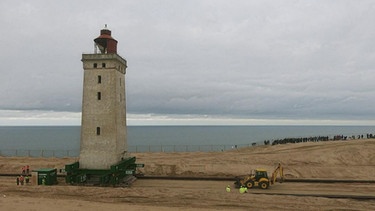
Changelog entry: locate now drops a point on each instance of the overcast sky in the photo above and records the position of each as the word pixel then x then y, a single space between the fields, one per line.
pixel 194 61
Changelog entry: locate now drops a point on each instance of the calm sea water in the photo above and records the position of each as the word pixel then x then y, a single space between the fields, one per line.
pixel 68 137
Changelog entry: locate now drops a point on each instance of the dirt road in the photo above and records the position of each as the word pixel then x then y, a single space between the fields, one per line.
pixel 186 195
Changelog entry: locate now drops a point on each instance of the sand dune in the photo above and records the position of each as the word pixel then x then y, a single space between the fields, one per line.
pixel 354 159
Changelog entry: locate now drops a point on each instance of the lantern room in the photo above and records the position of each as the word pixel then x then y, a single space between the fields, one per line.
pixel 105 42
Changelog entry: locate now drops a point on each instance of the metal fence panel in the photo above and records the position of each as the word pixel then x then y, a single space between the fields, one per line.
pixel 131 149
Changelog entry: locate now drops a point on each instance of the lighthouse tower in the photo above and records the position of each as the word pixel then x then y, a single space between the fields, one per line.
pixel 103 129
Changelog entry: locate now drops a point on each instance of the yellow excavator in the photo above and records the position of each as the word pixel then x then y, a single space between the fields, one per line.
pixel 259 178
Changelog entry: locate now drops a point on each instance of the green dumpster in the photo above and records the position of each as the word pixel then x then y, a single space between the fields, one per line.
pixel 46 176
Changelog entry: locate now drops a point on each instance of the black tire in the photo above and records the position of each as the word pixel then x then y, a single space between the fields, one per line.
pixel 263 185
pixel 250 184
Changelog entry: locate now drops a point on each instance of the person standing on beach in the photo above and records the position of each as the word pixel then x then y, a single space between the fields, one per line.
pixel 27 169
pixel 242 189
pixel 21 179
pixel 27 179
pixel 23 170
pixel 18 180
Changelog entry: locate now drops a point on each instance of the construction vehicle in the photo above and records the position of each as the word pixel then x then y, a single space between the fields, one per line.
pixel 259 178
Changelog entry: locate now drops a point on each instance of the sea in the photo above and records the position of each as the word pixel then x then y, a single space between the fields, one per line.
pixel 18 140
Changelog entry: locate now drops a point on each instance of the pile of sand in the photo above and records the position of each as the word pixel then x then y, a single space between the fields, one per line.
pixel 332 159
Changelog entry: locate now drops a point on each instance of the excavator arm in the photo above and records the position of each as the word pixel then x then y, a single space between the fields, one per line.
pixel 278 170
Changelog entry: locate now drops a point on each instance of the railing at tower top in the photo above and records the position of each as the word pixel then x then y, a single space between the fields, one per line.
pixel 91 56
pixel 131 149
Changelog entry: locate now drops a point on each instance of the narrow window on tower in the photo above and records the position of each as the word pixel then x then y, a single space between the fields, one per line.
pixel 97 130
pixel 99 79
pixel 95 65
pixel 99 95
pixel 103 65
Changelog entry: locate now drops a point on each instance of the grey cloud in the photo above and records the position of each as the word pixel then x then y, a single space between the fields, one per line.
pixel 248 59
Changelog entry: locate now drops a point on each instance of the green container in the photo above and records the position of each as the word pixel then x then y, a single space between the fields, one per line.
pixel 47 176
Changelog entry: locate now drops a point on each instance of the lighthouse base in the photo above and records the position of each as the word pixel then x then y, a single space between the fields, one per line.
pixel 119 174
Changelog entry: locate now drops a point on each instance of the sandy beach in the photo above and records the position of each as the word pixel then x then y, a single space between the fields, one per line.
pixel 353 159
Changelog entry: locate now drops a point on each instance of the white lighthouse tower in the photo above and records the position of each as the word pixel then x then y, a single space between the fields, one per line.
pixel 103 129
